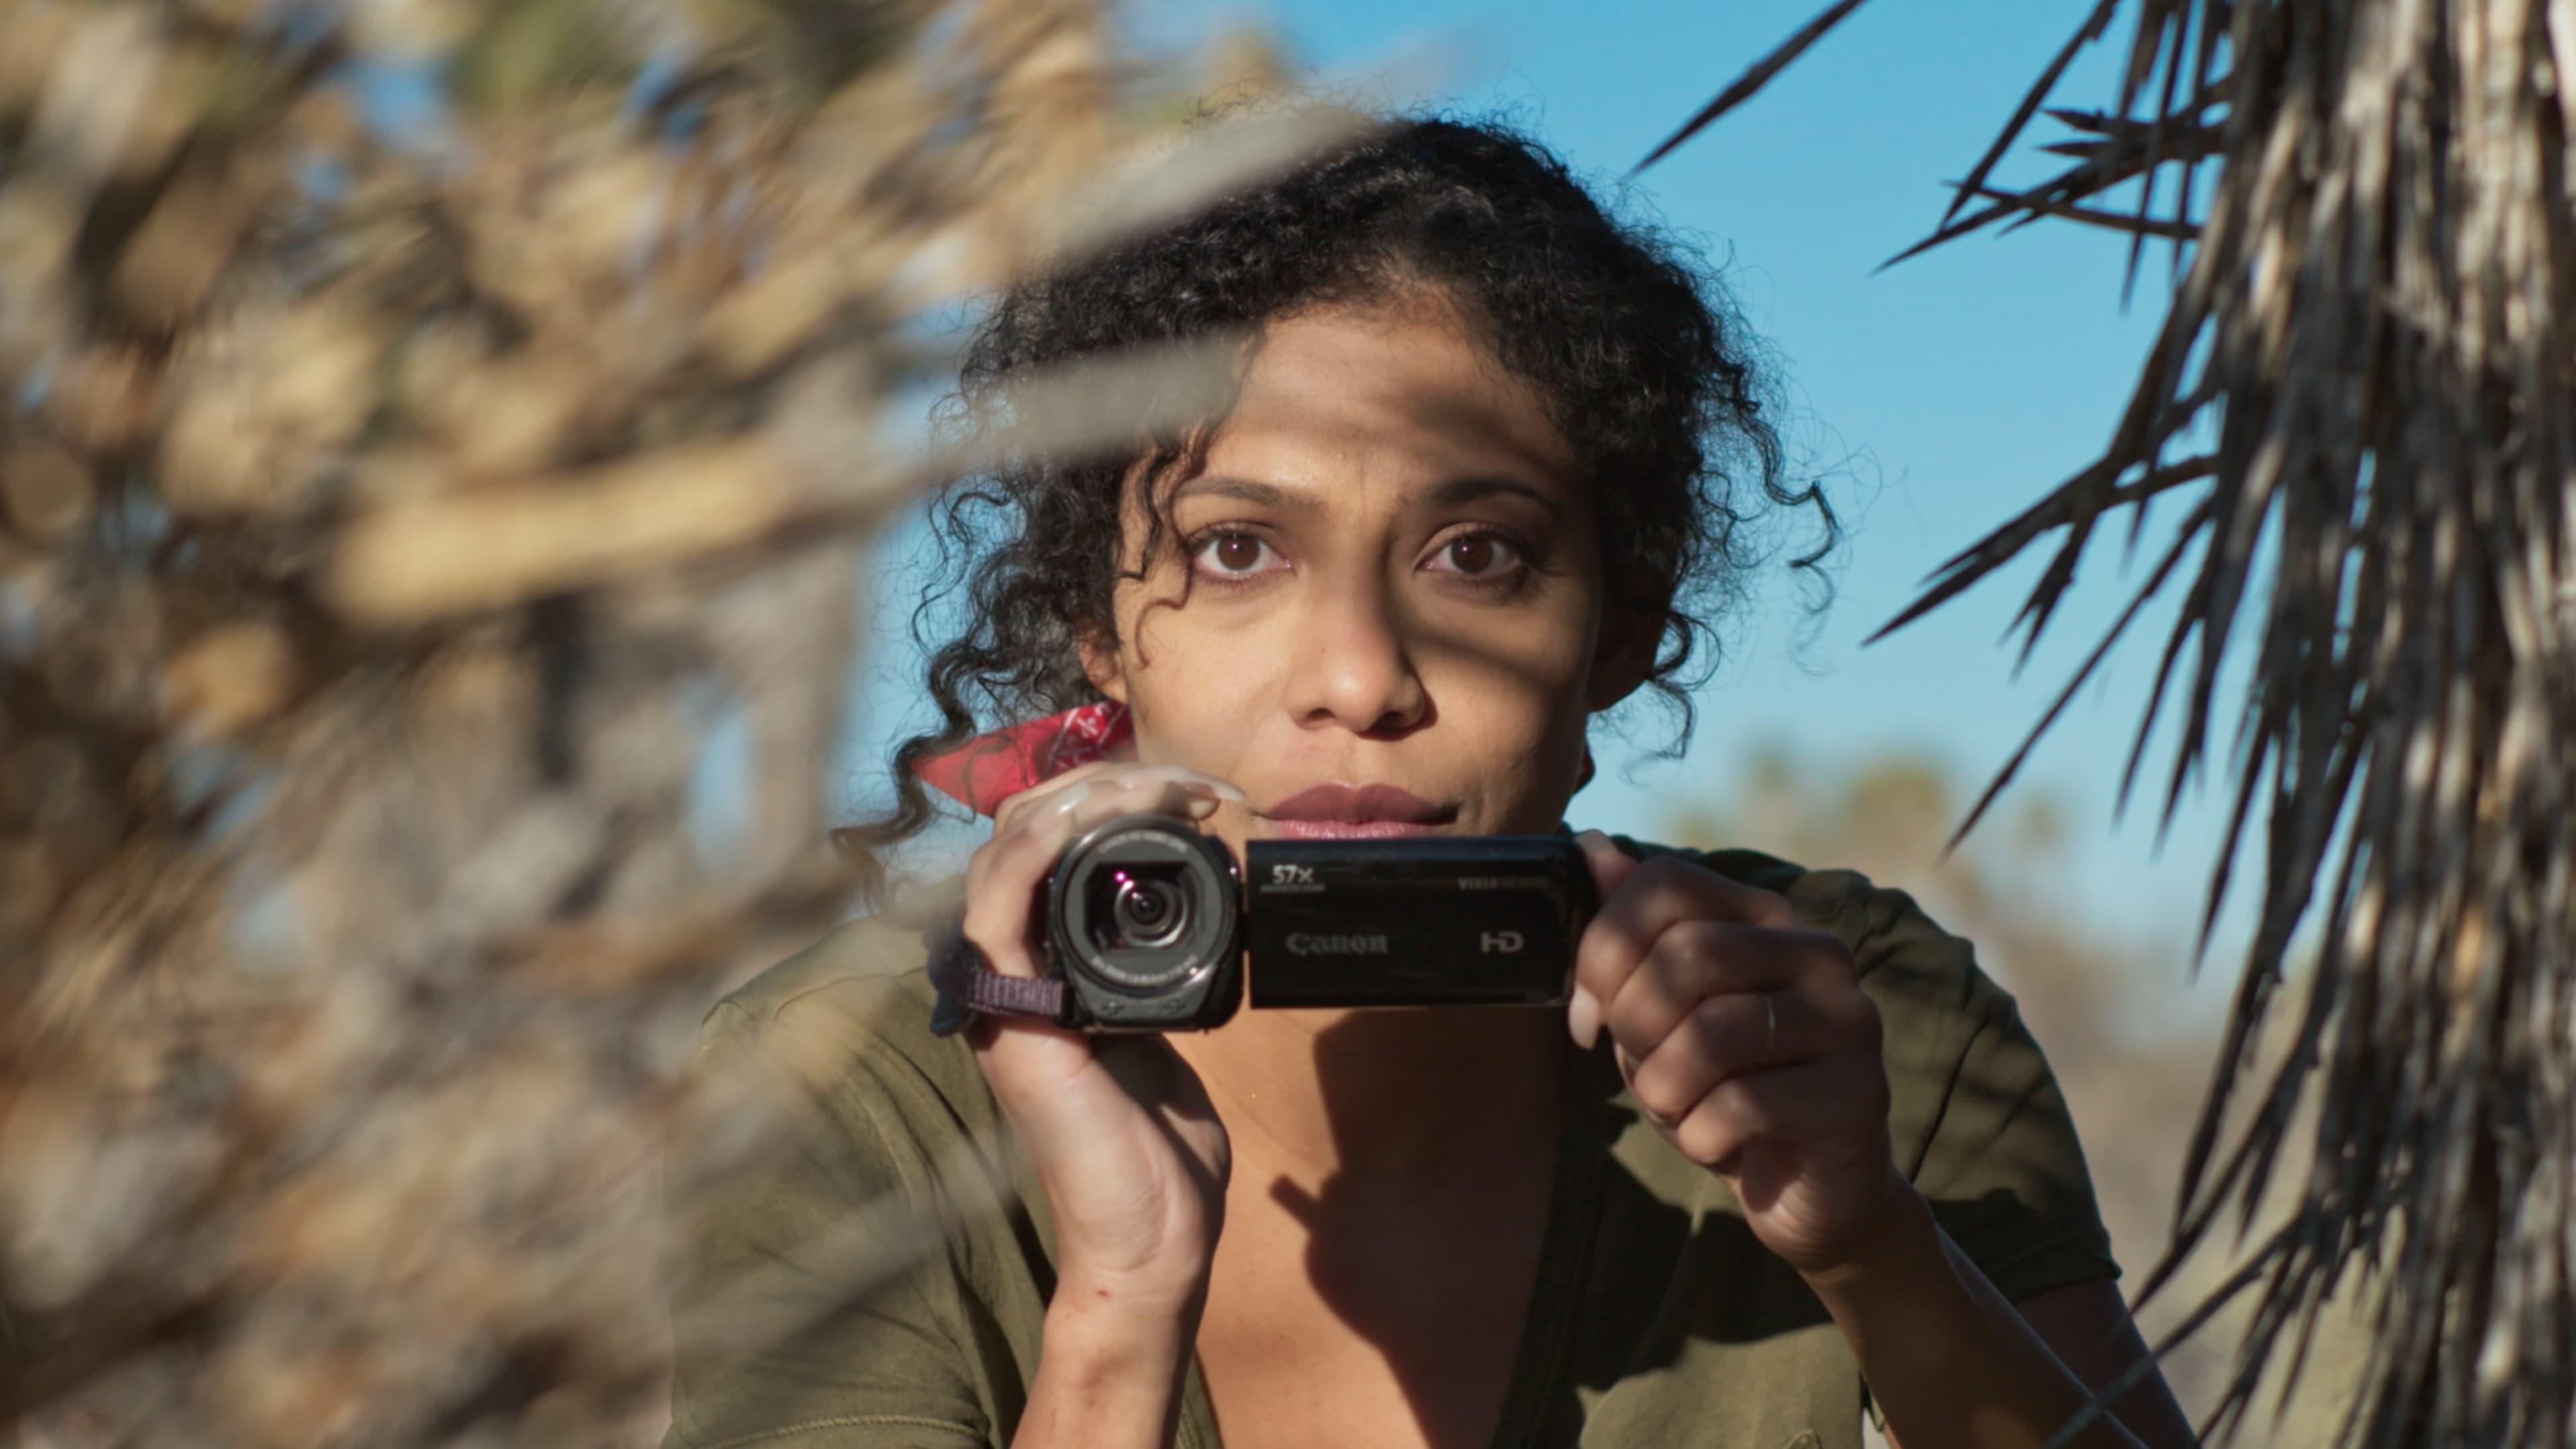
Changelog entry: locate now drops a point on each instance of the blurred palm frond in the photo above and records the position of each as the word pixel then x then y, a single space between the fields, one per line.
pixel 2371 353
pixel 436 438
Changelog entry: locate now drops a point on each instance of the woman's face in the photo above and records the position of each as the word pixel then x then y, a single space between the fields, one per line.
pixel 1397 620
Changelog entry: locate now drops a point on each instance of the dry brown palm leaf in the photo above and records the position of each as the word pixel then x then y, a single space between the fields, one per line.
pixel 2375 317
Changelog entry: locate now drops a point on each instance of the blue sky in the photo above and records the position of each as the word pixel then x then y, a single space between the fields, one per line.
pixel 1938 397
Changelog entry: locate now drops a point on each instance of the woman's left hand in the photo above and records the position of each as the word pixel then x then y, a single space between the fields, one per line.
pixel 1748 1042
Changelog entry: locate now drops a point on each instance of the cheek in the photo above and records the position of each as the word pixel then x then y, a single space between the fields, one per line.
pixel 1192 687
pixel 1533 686
pixel 1515 693
pixel 1206 684
pixel 1542 654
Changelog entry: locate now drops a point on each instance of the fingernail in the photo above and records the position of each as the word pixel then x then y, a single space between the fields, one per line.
pixel 1583 1018
pixel 1202 806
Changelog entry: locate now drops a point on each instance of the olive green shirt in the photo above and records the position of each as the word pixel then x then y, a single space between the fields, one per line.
pixel 880 1275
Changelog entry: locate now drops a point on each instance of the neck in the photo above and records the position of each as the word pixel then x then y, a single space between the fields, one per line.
pixel 1384 1105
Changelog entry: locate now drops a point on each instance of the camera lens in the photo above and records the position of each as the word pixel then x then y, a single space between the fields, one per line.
pixel 1148 912
pixel 1145 921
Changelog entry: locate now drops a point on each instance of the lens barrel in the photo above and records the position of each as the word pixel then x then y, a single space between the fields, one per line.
pixel 1148 913
pixel 1145 915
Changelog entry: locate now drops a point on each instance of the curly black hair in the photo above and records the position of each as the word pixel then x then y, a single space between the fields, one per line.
pixel 1650 375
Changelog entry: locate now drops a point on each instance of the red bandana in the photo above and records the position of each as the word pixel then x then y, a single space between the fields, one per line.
pixel 991 768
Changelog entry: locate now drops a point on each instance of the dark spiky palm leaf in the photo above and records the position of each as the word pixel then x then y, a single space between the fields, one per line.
pixel 2375 320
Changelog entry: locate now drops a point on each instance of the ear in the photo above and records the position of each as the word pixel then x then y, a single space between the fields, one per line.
pixel 1623 657
pixel 1101 664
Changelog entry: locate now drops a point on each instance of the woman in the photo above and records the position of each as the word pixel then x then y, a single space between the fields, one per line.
pixel 1477 484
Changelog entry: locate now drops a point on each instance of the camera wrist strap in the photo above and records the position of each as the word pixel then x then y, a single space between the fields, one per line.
pixel 967 983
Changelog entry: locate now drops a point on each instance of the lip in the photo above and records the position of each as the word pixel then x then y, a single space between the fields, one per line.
pixel 1341 812
pixel 1350 829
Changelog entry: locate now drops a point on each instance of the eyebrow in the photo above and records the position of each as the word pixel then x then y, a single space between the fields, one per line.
pixel 1468 490
pixel 1246 490
pixel 1446 494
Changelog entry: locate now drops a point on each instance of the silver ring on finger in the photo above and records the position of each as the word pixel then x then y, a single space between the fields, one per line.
pixel 1770 1031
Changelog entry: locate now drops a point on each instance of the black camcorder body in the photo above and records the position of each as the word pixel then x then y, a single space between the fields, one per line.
pixel 1154 927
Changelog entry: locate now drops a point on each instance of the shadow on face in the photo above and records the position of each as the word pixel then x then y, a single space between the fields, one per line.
pixel 1382 572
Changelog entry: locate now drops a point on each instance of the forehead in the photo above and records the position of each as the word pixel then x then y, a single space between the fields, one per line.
pixel 1393 394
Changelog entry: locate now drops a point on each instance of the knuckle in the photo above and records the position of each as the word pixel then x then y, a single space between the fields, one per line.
pixel 1623 939
pixel 1005 862
pixel 1871 1025
pixel 1662 968
pixel 1704 1139
pixel 1664 1094
pixel 1708 954
pixel 1015 808
pixel 1829 951
pixel 992 893
pixel 1714 1020
pixel 1661 874
pixel 1850 1017
pixel 1698 944
pixel 1602 954
pixel 1735 1100
pixel 1734 1106
pixel 1667 976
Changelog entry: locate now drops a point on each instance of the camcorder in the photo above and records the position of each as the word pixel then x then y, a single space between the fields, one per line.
pixel 1152 926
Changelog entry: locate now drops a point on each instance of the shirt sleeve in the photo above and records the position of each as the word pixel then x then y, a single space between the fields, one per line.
pixel 804 1267
pixel 1977 1120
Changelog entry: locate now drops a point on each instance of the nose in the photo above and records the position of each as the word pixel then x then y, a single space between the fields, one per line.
pixel 1352 667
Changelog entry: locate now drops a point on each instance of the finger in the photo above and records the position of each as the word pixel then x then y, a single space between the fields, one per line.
pixel 1006 881
pixel 1011 806
pixel 1008 873
pixel 1695 961
pixel 1806 1103
pixel 1721 1037
pixel 1080 781
pixel 1610 865
pixel 1650 899
pixel 1042 833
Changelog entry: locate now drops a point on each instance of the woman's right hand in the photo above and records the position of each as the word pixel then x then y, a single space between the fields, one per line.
pixel 1118 1128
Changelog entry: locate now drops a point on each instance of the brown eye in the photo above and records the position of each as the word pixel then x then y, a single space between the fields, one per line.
pixel 1473 554
pixel 1233 556
pixel 1484 558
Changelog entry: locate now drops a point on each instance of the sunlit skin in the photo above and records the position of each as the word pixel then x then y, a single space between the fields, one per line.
pixel 1386 572
pixel 1398 581
pixel 1383 570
